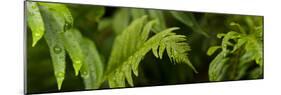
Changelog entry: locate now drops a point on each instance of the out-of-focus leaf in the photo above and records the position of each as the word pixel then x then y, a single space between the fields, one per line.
pixel 104 24
pixel 157 14
pixel 137 13
pixel 92 70
pixel 189 20
pixel 212 50
pixel 35 22
pixel 243 50
pixel 96 14
pixel 218 68
pixel 121 20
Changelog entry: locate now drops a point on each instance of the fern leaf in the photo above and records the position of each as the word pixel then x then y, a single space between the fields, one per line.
pixel 218 68
pixel 212 50
pixel 133 44
pixel 239 51
pixel 35 22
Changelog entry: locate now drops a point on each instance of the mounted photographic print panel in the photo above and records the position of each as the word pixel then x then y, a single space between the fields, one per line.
pixel 77 47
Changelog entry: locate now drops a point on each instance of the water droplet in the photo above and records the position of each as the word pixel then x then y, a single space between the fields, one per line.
pixel 77 62
pixel 60 74
pixel 67 26
pixel 37 34
pixel 84 73
pixel 33 6
pixel 57 49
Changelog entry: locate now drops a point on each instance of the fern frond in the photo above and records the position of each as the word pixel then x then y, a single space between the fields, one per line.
pixel 133 44
pixel 239 50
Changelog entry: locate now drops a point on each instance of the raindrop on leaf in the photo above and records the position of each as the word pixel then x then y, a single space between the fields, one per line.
pixel 67 26
pixel 57 49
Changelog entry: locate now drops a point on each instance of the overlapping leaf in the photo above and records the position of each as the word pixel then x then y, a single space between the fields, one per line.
pixel 35 22
pixel 189 20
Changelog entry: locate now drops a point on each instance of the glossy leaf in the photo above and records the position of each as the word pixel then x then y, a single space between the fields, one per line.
pixel 55 43
pixel 35 22
pixel 72 44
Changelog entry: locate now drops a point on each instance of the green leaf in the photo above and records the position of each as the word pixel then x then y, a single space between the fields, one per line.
pixel 61 12
pixel 35 22
pixel 239 51
pixel 189 20
pixel 55 43
pixel 133 44
pixel 96 14
pixel 157 14
pixel 212 50
pixel 92 70
pixel 218 68
pixel 72 45
pixel 120 20
pixel 64 21
pixel 104 24
pixel 137 13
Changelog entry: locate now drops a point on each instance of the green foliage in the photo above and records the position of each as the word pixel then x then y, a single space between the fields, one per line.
pixel 105 45
pixel 157 14
pixel 134 43
pixel 240 48
pixel 92 70
pixel 54 40
pixel 120 20
pixel 61 36
pixel 189 20
pixel 35 22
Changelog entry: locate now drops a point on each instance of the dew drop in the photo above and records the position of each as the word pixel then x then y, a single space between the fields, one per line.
pixel 67 26
pixel 37 34
pixel 60 74
pixel 33 6
pixel 77 62
pixel 57 49
pixel 84 73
